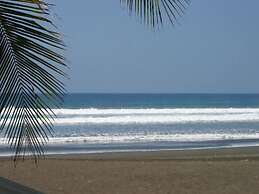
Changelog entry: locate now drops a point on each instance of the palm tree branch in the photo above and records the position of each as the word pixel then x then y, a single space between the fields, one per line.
pixel 154 12
pixel 30 58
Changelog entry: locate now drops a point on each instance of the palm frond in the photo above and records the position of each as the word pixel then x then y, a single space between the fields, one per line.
pixel 154 12
pixel 30 60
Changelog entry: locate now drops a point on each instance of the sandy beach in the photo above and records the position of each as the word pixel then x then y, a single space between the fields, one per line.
pixel 198 171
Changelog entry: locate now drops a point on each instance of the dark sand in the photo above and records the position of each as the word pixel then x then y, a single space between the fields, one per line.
pixel 222 171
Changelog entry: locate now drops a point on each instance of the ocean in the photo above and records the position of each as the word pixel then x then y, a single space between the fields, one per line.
pixel 97 123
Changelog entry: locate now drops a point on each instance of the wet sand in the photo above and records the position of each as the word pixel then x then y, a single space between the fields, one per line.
pixel 216 171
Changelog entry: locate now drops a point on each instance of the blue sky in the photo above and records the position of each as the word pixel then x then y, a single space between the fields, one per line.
pixel 214 50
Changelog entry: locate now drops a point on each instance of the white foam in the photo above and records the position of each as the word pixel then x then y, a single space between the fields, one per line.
pixel 135 138
pixel 153 116
pixel 94 111
pixel 159 119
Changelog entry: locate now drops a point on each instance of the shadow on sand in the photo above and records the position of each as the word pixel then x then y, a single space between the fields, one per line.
pixel 10 187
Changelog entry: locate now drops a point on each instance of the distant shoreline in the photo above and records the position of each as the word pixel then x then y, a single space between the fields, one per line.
pixel 67 149
pixel 172 154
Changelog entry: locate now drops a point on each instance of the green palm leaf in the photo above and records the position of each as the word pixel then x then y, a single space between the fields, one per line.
pixel 153 12
pixel 30 61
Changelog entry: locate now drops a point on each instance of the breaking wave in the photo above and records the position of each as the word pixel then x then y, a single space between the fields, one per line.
pixel 153 116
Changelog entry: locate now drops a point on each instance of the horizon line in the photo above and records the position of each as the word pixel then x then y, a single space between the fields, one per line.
pixel 170 93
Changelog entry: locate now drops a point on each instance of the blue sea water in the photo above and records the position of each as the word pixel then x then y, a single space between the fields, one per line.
pixel 93 123
pixel 161 101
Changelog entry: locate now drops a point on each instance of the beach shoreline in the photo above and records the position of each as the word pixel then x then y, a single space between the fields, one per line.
pixel 226 170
